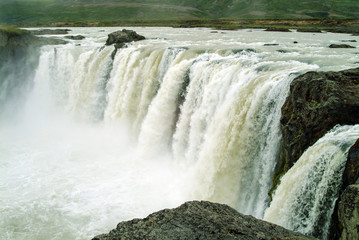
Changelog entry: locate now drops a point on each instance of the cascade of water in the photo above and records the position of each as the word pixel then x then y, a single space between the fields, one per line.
pixel 305 198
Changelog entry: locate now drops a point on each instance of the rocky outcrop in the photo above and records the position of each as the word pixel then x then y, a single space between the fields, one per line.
pixel 316 103
pixel 340 46
pixel 349 213
pixel 76 37
pixel 119 38
pixel 200 221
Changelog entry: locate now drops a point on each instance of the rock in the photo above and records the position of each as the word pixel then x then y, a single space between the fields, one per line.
pixel 77 37
pixel 316 103
pixel 340 46
pixel 50 31
pixel 271 44
pixel 309 30
pixel 349 213
pixel 282 51
pixel 274 29
pixel 350 176
pixel 349 40
pixel 351 171
pixel 295 42
pixel 201 221
pixel 119 38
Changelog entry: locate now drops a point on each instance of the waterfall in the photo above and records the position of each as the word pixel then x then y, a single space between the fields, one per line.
pixel 305 198
pixel 163 121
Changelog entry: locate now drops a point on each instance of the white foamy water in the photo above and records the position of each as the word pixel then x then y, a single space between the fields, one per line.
pixel 186 114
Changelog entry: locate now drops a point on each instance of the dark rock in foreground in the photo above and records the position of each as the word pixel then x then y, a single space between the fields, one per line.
pixel 340 46
pixel 316 103
pixel 119 38
pixel 200 221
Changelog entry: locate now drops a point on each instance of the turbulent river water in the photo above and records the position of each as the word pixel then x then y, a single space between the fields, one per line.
pixel 186 114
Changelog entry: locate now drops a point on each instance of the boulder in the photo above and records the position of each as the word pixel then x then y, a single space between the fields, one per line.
pixel 119 38
pixel 199 220
pixel 76 37
pixel 349 213
pixel 316 103
pixel 340 46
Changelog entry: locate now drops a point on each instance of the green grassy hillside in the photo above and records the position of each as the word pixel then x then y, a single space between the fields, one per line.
pixel 49 11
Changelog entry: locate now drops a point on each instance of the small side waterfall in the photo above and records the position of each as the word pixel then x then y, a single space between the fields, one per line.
pixel 305 198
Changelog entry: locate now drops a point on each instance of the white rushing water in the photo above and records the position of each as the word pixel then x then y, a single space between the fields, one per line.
pixel 305 198
pixel 187 114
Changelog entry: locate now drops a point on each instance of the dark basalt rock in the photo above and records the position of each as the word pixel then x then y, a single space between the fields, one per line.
pixel 316 103
pixel 349 213
pixel 201 221
pixel 270 44
pixel 340 46
pixel 119 38
pixel 76 37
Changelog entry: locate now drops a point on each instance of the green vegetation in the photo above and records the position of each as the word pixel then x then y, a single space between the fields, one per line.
pixel 36 12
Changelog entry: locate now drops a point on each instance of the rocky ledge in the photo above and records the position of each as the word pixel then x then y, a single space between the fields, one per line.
pixel 199 220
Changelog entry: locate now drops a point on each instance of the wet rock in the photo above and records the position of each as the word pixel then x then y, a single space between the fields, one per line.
pixel 340 46
pixel 119 38
pixel 316 103
pixel 270 44
pixel 349 213
pixel 349 40
pixel 201 221
pixel 76 37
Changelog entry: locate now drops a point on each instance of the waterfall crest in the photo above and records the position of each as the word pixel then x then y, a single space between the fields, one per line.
pixel 305 198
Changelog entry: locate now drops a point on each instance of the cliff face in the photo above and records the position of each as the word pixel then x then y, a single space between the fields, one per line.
pixel 316 103
pixel 200 221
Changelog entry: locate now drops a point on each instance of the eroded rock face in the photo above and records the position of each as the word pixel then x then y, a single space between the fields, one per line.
pixel 119 38
pixel 200 221
pixel 349 213
pixel 316 103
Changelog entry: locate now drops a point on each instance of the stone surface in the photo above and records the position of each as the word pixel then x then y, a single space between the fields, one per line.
pixel 316 103
pixel 200 221
pixel 349 213
pixel 351 171
pixel 274 29
pixel 119 38
pixel 75 37
pixel 340 46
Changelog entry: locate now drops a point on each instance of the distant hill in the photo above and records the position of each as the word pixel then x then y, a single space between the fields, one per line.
pixel 48 11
